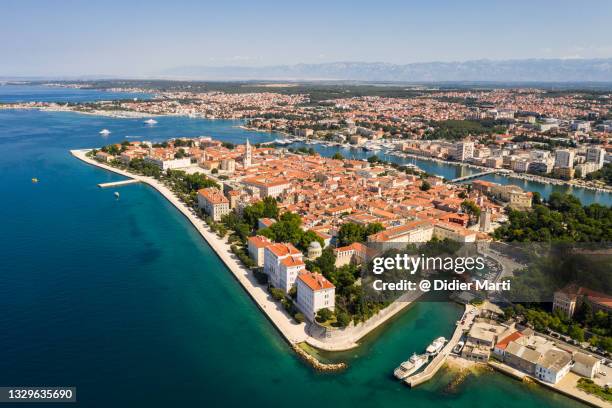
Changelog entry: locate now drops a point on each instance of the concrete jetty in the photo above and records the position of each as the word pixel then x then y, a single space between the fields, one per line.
pixel 439 360
pixel 118 183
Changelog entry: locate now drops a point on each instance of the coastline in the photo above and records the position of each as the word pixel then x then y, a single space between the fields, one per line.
pixel 141 115
pixel 294 333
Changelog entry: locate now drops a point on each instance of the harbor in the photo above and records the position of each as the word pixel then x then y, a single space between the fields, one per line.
pixel 455 170
pixel 439 358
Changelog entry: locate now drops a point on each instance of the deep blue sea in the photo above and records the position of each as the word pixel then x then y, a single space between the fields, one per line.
pixel 125 301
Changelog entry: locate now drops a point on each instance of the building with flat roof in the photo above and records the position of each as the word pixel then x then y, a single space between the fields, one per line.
pixel 553 365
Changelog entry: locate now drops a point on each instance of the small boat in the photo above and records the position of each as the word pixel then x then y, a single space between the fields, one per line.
pixel 150 121
pixel 105 132
pixel 435 347
pixel 410 366
pixel 117 194
pixel 34 180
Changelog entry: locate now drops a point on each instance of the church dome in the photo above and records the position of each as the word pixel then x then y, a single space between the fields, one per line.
pixel 314 245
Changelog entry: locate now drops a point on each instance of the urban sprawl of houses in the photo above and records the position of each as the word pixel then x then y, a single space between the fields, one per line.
pixel 547 357
pixel 409 206
pixel 327 193
pixel 530 132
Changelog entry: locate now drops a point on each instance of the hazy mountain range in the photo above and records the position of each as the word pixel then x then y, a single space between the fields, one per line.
pixel 541 70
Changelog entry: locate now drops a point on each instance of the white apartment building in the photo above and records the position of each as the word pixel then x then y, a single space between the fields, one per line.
pixel 314 293
pixel 169 164
pixel 463 151
pixel 256 246
pixel 411 232
pixel 213 202
pixel 596 155
pixel 443 230
pixel 564 158
pixel 282 264
pixel 520 166
pixel 268 187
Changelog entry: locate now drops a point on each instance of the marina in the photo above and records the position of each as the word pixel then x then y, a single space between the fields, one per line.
pixel 454 170
pixel 440 352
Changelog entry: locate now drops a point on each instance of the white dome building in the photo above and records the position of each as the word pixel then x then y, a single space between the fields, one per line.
pixel 314 250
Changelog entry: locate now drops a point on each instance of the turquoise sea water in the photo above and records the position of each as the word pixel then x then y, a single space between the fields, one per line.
pixel 125 301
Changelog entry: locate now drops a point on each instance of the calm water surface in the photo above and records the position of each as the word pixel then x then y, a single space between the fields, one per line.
pixel 125 301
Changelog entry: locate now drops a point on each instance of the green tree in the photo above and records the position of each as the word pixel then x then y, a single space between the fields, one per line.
pixel 338 156
pixel 469 207
pixel 324 315
pixel 425 186
pixel 277 294
pixel 350 232
pixel 180 153
pixel 576 332
pixel 326 263
pixel 373 228
pixel 343 318
pixel 536 198
pixel 307 237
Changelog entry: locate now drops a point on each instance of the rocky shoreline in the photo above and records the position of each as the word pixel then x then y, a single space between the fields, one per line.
pixel 316 364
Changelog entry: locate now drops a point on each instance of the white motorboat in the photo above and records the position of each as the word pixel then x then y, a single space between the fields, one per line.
pixel 410 366
pixel 435 347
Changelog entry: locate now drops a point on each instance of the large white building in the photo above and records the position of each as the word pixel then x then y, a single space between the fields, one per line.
pixel 553 365
pixel 268 187
pixel 411 232
pixel 564 158
pixel 169 164
pixel 419 231
pixel 257 246
pixel 282 264
pixel 586 365
pixel 463 150
pixel 596 155
pixel 213 202
pixel 314 293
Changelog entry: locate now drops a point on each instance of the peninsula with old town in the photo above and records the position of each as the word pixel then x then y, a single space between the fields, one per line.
pixel 296 228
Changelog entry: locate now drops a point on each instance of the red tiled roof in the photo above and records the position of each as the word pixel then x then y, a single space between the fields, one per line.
pixel 315 281
pixel 505 341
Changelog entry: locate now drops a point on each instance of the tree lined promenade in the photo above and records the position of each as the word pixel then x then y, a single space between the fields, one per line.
pixel 291 330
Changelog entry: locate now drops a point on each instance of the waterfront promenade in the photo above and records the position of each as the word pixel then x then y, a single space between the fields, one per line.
pixel 292 331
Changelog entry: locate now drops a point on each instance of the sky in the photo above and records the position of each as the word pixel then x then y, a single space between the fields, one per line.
pixel 145 38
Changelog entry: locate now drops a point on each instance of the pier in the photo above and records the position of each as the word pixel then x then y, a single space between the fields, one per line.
pixel 439 360
pixel 118 183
